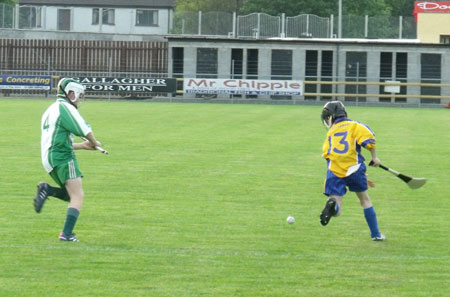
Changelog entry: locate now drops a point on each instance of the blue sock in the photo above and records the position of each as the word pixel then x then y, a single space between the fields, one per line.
pixel 336 209
pixel 371 219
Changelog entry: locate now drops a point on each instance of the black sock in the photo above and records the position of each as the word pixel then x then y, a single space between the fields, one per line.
pixel 58 193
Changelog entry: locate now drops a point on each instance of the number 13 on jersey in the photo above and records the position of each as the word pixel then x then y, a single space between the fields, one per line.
pixel 338 143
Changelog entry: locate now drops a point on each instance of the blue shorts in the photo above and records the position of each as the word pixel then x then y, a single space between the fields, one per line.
pixel 357 182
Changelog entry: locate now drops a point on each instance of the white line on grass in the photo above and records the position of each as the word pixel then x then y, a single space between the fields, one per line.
pixel 181 251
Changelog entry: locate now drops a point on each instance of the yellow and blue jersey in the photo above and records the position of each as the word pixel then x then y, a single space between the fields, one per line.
pixel 342 146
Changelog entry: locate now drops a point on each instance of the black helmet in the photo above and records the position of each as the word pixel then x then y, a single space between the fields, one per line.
pixel 331 111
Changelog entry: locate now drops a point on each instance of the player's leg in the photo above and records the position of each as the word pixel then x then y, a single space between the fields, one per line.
pixel 60 193
pixel 332 209
pixel 370 215
pixel 335 189
pixel 357 182
pixel 75 189
pixel 337 208
pixel 44 190
pixel 41 197
pixel 69 175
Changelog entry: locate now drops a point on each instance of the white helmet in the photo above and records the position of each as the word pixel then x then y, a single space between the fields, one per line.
pixel 67 85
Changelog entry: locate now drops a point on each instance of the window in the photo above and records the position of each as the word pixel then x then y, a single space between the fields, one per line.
pixel 430 72
pixel 401 73
pixel 7 16
pixel 146 17
pixel 401 65
pixel 237 56
pixel 207 63
pixel 393 66
pixel 64 19
pixel 445 39
pixel 311 64
pixel 252 63
pixel 29 17
pixel 386 68
pixel 95 16
pixel 356 70
pixel 281 68
pixel 178 61
pixel 281 64
pixel 311 72
pixel 326 72
pixel 252 67
pixel 108 16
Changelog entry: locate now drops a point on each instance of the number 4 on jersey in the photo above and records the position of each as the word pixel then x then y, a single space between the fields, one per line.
pixel 46 125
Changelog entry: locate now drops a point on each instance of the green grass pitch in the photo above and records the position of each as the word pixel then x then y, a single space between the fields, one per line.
pixel 193 200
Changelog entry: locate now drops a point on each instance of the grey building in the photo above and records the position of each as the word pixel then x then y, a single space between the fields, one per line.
pixel 339 67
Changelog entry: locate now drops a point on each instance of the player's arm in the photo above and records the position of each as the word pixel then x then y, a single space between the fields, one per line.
pixel 326 147
pixel 375 160
pixel 89 144
pixel 366 138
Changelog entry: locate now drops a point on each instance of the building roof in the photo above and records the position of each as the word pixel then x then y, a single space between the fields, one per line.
pixel 103 3
pixel 411 43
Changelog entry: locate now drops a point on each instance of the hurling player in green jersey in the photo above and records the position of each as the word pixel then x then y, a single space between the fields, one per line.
pixel 59 124
pixel 346 168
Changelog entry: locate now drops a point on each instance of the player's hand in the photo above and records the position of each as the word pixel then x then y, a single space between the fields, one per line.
pixel 87 145
pixel 375 162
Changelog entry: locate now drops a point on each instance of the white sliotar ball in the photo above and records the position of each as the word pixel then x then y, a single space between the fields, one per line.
pixel 290 220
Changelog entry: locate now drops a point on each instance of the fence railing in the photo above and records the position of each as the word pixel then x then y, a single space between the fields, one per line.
pixel 261 25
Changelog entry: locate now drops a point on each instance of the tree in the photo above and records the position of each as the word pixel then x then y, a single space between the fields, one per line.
pixel 209 5
pixel 401 7
pixel 317 7
pixel 10 2
pixel 296 7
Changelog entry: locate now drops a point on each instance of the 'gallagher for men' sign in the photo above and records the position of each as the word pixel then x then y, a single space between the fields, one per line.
pixel 114 84
pixel 243 86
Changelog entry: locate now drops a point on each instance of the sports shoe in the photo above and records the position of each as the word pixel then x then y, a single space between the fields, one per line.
pixel 71 237
pixel 379 238
pixel 41 196
pixel 328 211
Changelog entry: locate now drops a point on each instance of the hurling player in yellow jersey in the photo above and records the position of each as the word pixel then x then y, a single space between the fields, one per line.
pixel 346 168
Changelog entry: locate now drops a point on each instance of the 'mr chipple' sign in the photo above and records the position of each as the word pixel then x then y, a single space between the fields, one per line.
pixel 243 86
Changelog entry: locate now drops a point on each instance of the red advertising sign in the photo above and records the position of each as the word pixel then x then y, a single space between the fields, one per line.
pixel 429 6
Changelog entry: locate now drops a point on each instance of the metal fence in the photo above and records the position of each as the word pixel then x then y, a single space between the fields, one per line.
pixel 377 27
pixel 308 25
pixel 261 25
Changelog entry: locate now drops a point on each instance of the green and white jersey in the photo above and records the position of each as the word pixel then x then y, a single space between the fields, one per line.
pixel 60 122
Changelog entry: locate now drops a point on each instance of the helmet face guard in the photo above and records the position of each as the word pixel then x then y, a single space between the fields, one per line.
pixel 326 118
pixel 78 91
pixel 331 111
